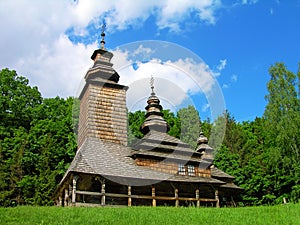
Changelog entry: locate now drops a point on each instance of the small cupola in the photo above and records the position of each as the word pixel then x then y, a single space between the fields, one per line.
pixel 102 68
pixel 154 116
pixel 203 144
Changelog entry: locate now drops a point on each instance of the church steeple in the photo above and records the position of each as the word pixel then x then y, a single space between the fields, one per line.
pixel 102 68
pixel 103 35
pixel 154 117
pixel 103 113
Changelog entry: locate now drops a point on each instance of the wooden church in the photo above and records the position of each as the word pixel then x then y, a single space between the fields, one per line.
pixel 158 170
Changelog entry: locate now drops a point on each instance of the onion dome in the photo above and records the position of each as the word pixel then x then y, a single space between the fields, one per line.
pixel 154 117
pixel 206 151
pixel 102 69
pixel 203 143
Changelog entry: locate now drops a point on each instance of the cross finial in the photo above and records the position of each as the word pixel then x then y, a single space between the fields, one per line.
pixel 103 34
pixel 152 85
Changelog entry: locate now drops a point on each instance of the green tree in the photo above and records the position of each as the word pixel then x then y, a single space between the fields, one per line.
pixel 189 121
pixel 52 147
pixel 185 124
pixel 17 100
pixel 173 122
pixel 17 103
pixel 135 120
pixel 217 131
pixel 283 124
pixel 37 141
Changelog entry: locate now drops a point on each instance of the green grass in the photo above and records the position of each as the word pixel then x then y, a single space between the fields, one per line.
pixel 287 214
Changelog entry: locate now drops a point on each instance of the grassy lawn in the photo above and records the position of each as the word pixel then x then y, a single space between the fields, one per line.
pixel 287 214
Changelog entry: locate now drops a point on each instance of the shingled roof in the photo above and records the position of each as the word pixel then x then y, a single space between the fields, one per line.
pixel 215 172
pixel 159 145
pixel 111 160
pixel 162 145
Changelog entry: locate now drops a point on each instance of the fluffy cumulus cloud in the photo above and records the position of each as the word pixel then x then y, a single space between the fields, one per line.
pixel 176 80
pixel 59 68
pixel 172 12
pixel 122 14
pixel 35 44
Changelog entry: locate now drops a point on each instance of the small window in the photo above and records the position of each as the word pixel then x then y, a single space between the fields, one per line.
pixel 181 169
pixel 191 170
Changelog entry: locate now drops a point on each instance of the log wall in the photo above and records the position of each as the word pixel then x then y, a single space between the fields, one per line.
pixel 171 168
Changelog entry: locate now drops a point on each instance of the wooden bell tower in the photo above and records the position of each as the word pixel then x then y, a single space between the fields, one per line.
pixel 103 111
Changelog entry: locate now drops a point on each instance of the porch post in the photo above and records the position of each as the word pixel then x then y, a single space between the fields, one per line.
pixel 75 178
pixel 217 198
pixel 197 198
pixel 129 195
pixel 153 197
pixel 176 197
pixel 103 192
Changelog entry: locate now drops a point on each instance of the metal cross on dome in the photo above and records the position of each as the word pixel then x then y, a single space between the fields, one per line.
pixel 152 83
pixel 103 34
pixel 103 25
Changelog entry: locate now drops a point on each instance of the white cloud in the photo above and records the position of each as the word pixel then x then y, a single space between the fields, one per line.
pixel 199 74
pixel 222 64
pixel 121 59
pixel 168 83
pixel 57 69
pixel 172 12
pixel 33 40
pixel 225 86
pixel 249 2
pixel 234 78
pixel 205 107
pixel 27 25
pixel 142 51
pixel 220 67
pixel 175 81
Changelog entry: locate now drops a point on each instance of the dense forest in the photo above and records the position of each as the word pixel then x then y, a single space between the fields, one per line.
pixel 38 141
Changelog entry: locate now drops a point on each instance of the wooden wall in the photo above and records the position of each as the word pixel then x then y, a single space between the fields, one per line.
pixel 103 114
pixel 168 167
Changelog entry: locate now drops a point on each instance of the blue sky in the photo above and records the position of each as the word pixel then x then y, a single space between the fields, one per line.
pixel 50 42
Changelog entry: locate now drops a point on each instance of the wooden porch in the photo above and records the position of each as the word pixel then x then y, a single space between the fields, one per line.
pixel 109 193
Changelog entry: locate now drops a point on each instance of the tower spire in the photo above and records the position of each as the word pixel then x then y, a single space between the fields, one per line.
pixel 102 68
pixel 103 34
pixel 154 116
pixel 152 85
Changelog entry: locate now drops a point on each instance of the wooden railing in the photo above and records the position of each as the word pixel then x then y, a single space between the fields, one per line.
pixel 152 197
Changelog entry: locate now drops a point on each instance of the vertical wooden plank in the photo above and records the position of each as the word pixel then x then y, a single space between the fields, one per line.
pixel 103 193
pixel 129 195
pixel 217 198
pixel 176 196
pixel 197 198
pixel 153 197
